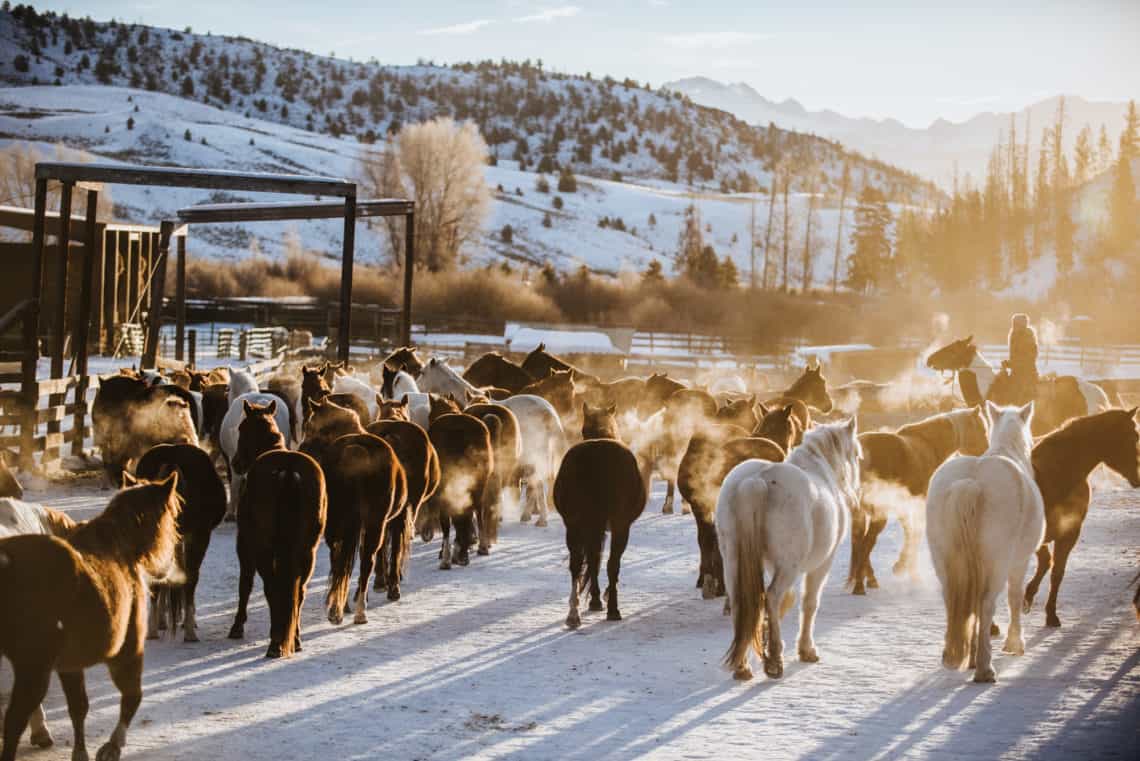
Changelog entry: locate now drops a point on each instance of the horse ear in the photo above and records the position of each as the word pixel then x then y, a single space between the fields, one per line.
pixel 247 408
pixel 170 483
pixel 1132 412
pixel 271 408
pixel 970 338
pixel 541 346
pixel 611 410
pixel 1026 413
pixel 313 404
pixel 404 400
pixel 851 426
pixel 789 410
pixel 585 409
pixel 992 411
pixel 129 480
pixel 763 409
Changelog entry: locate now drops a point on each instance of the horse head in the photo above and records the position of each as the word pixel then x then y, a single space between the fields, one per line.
pixel 811 389
pixel 954 356
pixel 1123 441
pixel 392 410
pixel 257 433
pixel 599 422
pixel 778 425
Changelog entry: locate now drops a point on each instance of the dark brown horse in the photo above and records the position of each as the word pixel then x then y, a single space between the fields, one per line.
pixel 69 605
pixel 1062 462
pixel 710 455
pixel 558 389
pixel 314 387
pixel 507 447
pixel 467 462
pixel 658 388
pixel 420 462
pixel 280 520
pixel 903 463
pixel 808 390
pixel 600 484
pixel 493 369
pixel 203 507
pixel 540 363
pixel 624 393
pixel 405 358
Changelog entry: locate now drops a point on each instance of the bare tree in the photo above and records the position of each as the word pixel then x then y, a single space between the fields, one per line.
pixel 785 189
pixel 18 185
pixel 844 189
pixel 768 230
pixel 439 164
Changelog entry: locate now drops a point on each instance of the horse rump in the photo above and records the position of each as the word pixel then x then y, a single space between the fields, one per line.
pixel 741 533
pixel 956 554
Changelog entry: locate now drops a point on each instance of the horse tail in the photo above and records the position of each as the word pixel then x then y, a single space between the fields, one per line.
pixel 355 461
pixel 747 575
pixel 963 582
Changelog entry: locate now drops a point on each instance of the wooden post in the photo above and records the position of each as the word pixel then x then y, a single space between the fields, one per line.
pixel 180 298
pixel 409 274
pixel 91 250
pixel 132 280
pixel 344 339
pixel 110 290
pixel 192 337
pixel 157 285
pixel 59 326
pixel 29 388
pixel 98 283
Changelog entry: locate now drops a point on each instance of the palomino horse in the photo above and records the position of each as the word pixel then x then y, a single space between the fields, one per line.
pixel 83 602
pixel 1057 399
pixel 905 459
pixel 808 390
pixel 789 517
pixel 984 519
pixel 279 526
pixel 1062 462
pixel 599 485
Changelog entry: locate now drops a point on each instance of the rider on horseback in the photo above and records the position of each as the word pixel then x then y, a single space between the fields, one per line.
pixel 1022 362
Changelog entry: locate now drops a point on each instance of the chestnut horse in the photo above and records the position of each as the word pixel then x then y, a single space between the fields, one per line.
pixel 493 369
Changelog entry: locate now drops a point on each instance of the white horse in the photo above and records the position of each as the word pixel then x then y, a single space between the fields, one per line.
pixel 361 389
pixel 543 444
pixel 728 384
pixel 984 521
pixel 241 382
pixel 787 519
pixel 229 438
pixel 419 408
pixel 18 517
pixel 438 378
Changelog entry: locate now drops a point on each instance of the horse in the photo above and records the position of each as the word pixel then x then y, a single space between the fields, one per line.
pixel 685 413
pixel 543 442
pixel 740 412
pixel 658 388
pixel 1057 399
pixel 82 602
pixel 396 383
pixel 600 484
pixel 203 506
pixel 367 497
pixel 129 416
pixel 467 463
pixel 313 387
pixel 9 484
pixel 984 519
pixel 906 459
pixel 16 518
pixel 406 359
pixel 282 515
pixel 789 517
pixel 1062 462
pixel 709 457
pixel 350 384
pixel 229 435
pixel 558 389
pixel 393 410
pixel 541 363
pixel 624 393
pixel 493 369
pixel 508 446
pixel 438 378
pixel 241 382
pixel 420 463
pixel 808 390
pixel 215 405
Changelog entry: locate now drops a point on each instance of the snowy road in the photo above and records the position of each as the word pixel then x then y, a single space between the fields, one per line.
pixel 476 662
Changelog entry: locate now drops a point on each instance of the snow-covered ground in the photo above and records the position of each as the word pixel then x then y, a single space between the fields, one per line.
pixel 476 663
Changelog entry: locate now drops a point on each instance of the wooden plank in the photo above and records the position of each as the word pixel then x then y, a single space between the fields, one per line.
pixel 284 211
pixel 128 174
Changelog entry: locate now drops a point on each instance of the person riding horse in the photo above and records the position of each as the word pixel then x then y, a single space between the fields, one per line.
pixel 1022 362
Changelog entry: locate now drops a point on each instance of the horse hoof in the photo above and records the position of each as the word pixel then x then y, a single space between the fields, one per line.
pixel 1013 648
pixel 190 637
pixel 41 738
pixel 708 587
pixel 427 535
pixel 573 621
pixel 1052 621
pixel 858 589
pixel 274 651
pixel 237 632
pixel 809 656
pixel 393 594
pixel 525 517
pixel 667 510
pixel 109 752
pixel 872 582
pixel 152 635
pixel 541 523
pixel 595 605
pixel 685 510
pixel 773 668
pixel 613 615
pixel 230 518
pixel 742 674
pixel 335 617
pixel 483 551
pixel 360 618
pixel 445 565
pixel 985 676
pixel 463 560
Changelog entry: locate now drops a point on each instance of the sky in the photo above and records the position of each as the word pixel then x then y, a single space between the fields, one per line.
pixel 912 61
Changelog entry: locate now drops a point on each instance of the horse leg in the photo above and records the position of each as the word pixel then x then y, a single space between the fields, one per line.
pixel 195 554
pixel 594 546
pixel 236 484
pixel 711 581
pixel 1013 641
pixel 809 604
pixel 983 669
pixel 28 691
pixel 152 621
pixel 1044 563
pixel 41 735
pixel 905 562
pixel 245 586
pixel 619 538
pixel 1061 549
pixel 541 499
pixel 667 507
pixel 299 597
pixel 773 600
pixel 126 673
pixel 75 691
pixel 859 522
pixel 577 558
pixel 397 540
pixel 369 546
pixel 445 547
pixel 877 524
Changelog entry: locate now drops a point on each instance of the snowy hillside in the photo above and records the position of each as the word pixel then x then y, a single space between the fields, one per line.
pixel 92 120
pixel 601 127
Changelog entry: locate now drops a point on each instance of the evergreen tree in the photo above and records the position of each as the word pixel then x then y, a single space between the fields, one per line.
pixel 653 274
pixel 1083 158
pixel 1104 156
pixel 869 266
pixel 1123 226
pixel 1130 137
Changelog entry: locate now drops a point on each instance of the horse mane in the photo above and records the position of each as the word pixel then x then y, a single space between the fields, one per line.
pixel 821 444
pixel 932 430
pixel 139 527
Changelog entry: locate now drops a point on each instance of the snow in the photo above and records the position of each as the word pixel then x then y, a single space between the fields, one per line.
pixel 476 663
pixel 561 341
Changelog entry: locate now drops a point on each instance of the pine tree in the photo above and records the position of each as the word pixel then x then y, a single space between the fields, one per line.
pixel 869 265
pixel 653 274
pixel 1104 158
pixel 1041 195
pixel 1123 211
pixel 1083 159
pixel 844 188
pixel 1130 137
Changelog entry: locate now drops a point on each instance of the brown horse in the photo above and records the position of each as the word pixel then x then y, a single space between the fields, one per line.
pixel 9 486
pixel 405 358
pixel 558 389
pixel 686 412
pixel 467 462
pixel 624 393
pixel 600 484
pixel 387 410
pixel 507 447
pixel 420 462
pixel 710 455
pixel 203 507
pixel 82 602
pixel 741 413
pixel 314 387
pixel 809 390
pixel 540 363
pixel 280 520
pixel 1062 462
pixel 905 459
pixel 493 369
